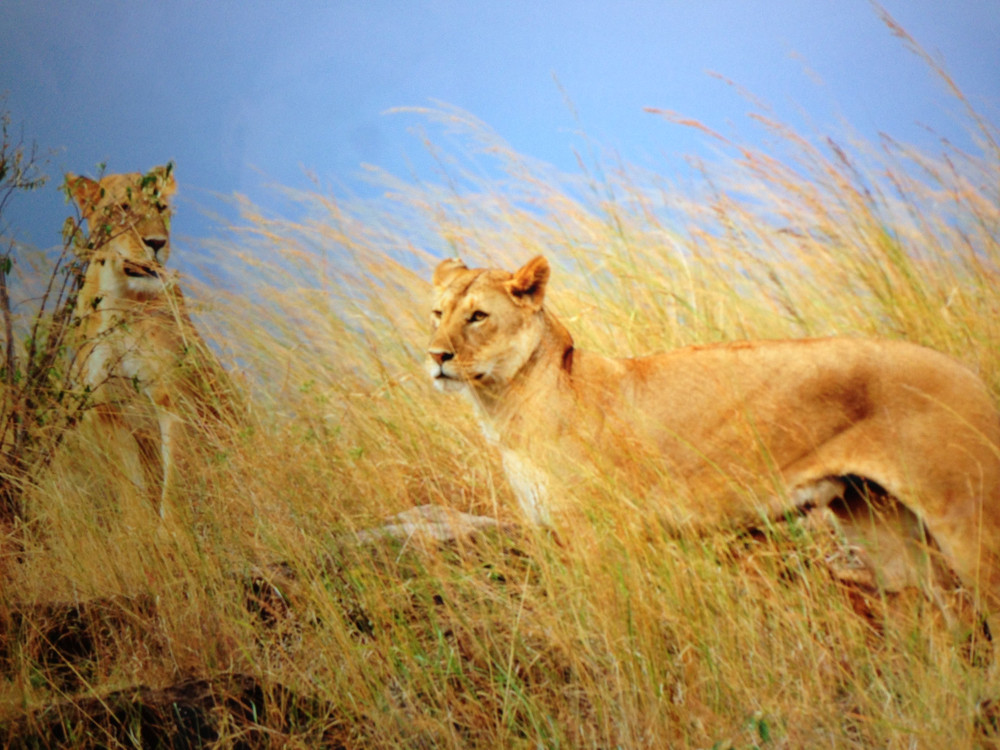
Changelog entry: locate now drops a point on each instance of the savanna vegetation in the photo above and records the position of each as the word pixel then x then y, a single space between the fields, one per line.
pixel 255 616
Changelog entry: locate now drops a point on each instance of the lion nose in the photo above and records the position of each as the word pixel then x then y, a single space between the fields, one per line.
pixel 440 356
pixel 154 243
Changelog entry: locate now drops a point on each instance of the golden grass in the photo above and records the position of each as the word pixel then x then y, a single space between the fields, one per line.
pixel 614 636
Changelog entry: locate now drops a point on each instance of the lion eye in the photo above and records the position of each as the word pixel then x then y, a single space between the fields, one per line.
pixel 477 316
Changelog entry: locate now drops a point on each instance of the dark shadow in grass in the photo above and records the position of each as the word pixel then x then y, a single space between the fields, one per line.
pixel 234 708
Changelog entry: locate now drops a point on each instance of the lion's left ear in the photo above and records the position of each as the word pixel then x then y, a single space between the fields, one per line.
pixel 446 271
pixel 528 285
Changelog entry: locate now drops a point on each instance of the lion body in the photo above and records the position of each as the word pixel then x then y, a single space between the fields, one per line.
pixel 148 371
pixel 728 433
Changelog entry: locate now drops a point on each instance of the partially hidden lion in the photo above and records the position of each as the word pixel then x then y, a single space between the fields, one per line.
pixel 149 374
pixel 729 433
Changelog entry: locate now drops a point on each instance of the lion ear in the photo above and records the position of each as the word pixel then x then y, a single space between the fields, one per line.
pixel 446 271
pixel 85 191
pixel 528 285
pixel 165 182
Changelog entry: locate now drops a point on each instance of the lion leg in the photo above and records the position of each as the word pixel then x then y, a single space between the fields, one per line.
pixel 970 548
pixel 170 435
pixel 895 543
pixel 875 541
pixel 120 446
pixel 170 429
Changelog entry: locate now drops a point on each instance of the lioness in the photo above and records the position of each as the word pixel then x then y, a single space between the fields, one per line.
pixel 149 372
pixel 726 433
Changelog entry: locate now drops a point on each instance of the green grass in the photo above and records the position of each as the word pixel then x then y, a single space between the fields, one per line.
pixel 614 634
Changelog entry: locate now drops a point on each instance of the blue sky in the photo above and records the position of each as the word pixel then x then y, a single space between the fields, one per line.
pixel 244 94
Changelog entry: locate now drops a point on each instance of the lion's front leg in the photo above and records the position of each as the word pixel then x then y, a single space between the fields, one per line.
pixel 530 485
pixel 171 428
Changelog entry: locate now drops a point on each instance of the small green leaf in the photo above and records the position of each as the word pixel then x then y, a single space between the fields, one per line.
pixel 763 730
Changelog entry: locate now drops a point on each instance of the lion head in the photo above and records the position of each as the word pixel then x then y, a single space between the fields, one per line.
pixel 487 323
pixel 127 213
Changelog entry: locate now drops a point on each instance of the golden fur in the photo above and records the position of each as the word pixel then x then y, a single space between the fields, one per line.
pixel 147 369
pixel 728 433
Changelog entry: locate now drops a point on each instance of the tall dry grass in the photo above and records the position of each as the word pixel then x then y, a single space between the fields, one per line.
pixel 615 636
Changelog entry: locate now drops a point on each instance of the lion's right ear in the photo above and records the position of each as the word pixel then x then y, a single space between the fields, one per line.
pixel 161 181
pixel 446 271
pixel 85 191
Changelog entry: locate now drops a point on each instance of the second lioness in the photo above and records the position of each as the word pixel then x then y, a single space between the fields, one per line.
pixel 149 374
pixel 727 433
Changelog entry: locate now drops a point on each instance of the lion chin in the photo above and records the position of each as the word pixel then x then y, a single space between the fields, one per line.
pixel 730 433
pixel 447 384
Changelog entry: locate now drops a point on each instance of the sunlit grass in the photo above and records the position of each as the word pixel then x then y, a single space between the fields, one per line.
pixel 612 634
